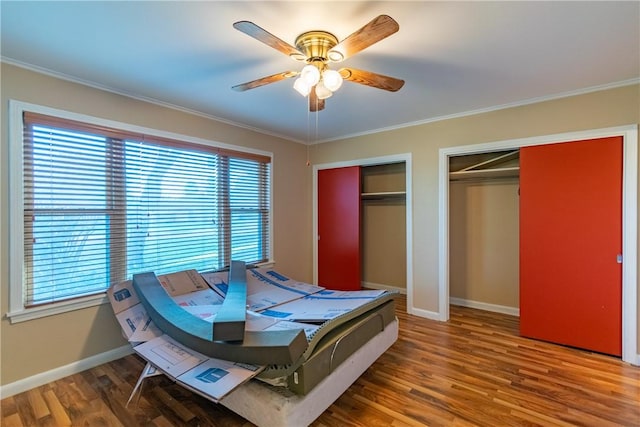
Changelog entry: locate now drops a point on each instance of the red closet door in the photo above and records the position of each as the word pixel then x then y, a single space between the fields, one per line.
pixel 570 236
pixel 339 228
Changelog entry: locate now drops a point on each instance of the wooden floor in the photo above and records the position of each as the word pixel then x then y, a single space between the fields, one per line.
pixel 471 371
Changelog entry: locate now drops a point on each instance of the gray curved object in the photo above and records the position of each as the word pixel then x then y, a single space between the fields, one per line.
pixel 231 318
pixel 258 348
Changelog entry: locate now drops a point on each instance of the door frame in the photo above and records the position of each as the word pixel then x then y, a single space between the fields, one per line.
pixel 396 158
pixel 629 219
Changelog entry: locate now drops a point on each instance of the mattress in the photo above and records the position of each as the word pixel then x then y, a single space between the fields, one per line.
pixel 268 406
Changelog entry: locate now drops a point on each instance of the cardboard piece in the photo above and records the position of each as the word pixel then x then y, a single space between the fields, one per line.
pixel 210 377
pixel 182 282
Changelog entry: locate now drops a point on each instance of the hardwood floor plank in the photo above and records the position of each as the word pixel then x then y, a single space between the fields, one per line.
pixel 57 410
pixel 474 370
pixel 8 407
pixel 177 407
pixel 37 403
pixel 390 411
pixel 530 418
pixel 24 409
pixel 80 385
pixel 97 413
pixel 11 420
pixel 161 422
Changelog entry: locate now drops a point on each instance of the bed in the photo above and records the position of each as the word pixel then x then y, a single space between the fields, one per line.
pixel 300 346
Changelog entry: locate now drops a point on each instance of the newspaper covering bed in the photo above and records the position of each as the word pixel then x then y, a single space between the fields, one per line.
pixel 336 324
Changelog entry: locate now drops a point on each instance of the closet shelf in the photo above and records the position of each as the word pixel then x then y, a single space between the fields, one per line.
pixel 499 165
pixel 383 195
pixel 485 173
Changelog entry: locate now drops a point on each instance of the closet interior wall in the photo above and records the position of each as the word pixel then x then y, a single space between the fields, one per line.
pixel 484 231
pixel 383 226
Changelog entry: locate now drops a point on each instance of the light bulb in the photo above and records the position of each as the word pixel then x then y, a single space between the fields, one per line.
pixel 322 91
pixel 332 80
pixel 302 86
pixel 310 74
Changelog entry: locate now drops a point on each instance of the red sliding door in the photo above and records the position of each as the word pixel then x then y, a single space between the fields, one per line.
pixel 339 228
pixel 570 237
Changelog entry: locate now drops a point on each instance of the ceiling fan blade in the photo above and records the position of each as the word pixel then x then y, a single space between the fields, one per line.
pixel 315 104
pixel 368 78
pixel 376 30
pixel 264 81
pixel 258 33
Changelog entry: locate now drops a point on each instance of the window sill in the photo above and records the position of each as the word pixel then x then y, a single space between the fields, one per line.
pixel 25 314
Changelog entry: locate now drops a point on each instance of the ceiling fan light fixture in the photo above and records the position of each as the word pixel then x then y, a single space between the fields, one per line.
pixel 322 92
pixel 332 80
pixel 317 49
pixel 310 74
pixel 302 86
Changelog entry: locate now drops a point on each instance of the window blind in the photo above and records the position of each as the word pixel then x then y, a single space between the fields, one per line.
pixel 102 204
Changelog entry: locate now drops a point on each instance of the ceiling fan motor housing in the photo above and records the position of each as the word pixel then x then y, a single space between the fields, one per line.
pixel 316 45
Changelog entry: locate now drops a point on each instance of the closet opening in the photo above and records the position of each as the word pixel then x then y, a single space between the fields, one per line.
pixel 483 231
pixel 629 136
pixel 384 242
pixel 383 227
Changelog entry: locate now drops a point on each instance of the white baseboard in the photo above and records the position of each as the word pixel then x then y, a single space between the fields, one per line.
pixel 513 311
pixel 63 371
pixel 431 315
pixel 370 285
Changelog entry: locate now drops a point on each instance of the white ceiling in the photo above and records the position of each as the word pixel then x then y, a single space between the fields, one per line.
pixel 456 57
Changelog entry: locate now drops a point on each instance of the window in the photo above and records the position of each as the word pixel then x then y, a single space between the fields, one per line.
pixel 100 203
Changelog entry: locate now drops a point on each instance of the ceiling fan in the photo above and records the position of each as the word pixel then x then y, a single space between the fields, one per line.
pixel 317 49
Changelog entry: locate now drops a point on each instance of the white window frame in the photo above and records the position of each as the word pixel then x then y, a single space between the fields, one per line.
pixel 17 310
